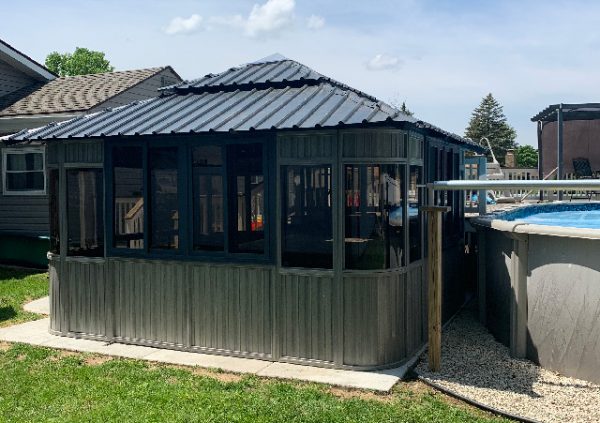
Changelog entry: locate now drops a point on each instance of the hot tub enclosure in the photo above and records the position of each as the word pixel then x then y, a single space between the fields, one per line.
pixel 267 211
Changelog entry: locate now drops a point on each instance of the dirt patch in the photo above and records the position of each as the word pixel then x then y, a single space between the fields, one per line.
pixel 359 394
pixel 221 377
pixel 4 346
pixel 97 360
pixel 60 354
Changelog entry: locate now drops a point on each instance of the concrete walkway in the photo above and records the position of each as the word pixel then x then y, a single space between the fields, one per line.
pixel 36 333
pixel 39 306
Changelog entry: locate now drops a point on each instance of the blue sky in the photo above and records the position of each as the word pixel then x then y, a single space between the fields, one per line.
pixel 441 57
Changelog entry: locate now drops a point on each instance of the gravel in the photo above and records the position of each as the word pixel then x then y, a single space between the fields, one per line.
pixel 476 366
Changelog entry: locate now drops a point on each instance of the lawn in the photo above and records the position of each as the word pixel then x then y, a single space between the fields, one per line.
pixel 17 287
pixel 41 384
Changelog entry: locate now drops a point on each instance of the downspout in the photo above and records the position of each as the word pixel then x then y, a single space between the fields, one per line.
pixel 559 153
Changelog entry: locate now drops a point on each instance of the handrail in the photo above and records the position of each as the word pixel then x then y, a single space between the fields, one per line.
pixel 558 185
pixel 545 178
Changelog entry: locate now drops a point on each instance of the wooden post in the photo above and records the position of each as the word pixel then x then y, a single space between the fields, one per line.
pixel 434 280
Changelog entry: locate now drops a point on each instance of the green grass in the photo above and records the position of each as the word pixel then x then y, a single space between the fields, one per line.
pixel 17 287
pixel 42 384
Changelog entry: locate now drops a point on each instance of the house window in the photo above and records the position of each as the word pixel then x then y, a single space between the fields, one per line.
pixel 207 173
pixel 24 171
pixel 374 216
pixel 128 190
pixel 85 208
pixel 164 198
pixel 307 238
pixel 246 198
pixel 414 215
pixel 53 193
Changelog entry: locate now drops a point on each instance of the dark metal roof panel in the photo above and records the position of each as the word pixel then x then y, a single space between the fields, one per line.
pixel 256 73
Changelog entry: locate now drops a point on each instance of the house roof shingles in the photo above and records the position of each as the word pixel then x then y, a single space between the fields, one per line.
pixel 71 93
pixel 279 94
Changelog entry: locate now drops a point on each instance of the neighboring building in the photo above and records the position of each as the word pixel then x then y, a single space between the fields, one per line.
pixel 267 211
pixel 580 133
pixel 32 96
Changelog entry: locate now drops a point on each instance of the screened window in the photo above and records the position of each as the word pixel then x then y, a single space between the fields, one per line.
pixel 246 187
pixel 24 171
pixel 85 207
pixel 414 215
pixel 207 170
pixel 307 238
pixel 54 213
pixel 374 216
pixel 128 189
pixel 164 198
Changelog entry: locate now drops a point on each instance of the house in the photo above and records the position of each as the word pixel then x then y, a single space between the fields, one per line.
pixel 31 96
pixel 266 211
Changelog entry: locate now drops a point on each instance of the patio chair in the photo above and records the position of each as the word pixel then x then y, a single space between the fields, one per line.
pixel 583 170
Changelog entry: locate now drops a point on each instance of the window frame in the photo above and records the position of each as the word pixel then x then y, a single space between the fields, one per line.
pixel 21 151
pixel 186 249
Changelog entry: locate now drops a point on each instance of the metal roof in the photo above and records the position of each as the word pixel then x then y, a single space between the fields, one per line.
pixel 258 96
pixel 580 111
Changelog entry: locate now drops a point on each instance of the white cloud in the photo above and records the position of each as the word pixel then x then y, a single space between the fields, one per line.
pixel 179 25
pixel 265 19
pixel 270 17
pixel 383 62
pixel 315 22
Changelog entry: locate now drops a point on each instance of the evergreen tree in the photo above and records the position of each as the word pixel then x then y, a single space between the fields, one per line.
pixel 488 121
pixel 405 109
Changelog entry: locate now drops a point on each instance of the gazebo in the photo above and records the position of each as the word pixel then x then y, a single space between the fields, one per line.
pixel 266 211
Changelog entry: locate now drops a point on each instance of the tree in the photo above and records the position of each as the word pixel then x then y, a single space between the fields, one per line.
pixel 405 109
pixel 488 121
pixel 81 62
pixel 527 156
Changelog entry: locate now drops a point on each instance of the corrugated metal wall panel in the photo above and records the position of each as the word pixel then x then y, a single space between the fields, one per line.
pixel 378 143
pixel 86 293
pixel 231 308
pixel 84 152
pixel 313 146
pixel 306 314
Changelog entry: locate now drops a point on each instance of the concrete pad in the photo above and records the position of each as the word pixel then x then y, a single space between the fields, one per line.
pixel 344 378
pixel 229 364
pixel 39 306
pixel 36 333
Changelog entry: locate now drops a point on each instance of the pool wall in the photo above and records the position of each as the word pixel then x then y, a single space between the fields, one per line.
pixel 539 290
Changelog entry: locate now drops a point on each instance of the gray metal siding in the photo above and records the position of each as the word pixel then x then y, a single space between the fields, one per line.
pixel 307 316
pixel 313 146
pixel 12 79
pixel 142 91
pixel 380 143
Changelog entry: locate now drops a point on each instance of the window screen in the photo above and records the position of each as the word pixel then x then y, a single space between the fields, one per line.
pixel 246 203
pixel 374 216
pixel 128 187
pixel 53 193
pixel 164 198
pixel 207 171
pixel 414 215
pixel 307 238
pixel 85 208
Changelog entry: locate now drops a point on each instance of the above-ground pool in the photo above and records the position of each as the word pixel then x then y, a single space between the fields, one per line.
pixel 563 214
pixel 539 284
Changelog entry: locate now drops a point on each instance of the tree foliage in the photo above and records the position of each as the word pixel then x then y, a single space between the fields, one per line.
pixel 488 120
pixel 526 156
pixel 81 62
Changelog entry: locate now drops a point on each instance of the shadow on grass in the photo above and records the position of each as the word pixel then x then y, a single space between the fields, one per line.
pixel 7 313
